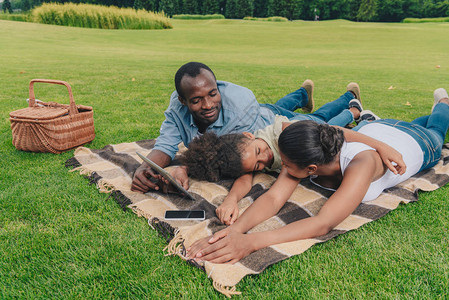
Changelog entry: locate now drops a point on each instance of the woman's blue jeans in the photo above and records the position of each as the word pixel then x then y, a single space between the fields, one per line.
pixel 429 131
pixel 333 113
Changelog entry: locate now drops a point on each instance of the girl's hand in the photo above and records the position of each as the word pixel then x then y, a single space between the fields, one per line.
pixel 180 175
pixel 228 212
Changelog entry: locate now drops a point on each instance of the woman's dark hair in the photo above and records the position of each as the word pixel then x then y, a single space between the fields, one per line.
pixel 307 142
pixel 211 157
pixel 192 69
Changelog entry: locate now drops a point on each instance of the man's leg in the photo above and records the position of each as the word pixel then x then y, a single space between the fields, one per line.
pixel 301 98
pixel 334 108
pixel 342 119
pixel 277 110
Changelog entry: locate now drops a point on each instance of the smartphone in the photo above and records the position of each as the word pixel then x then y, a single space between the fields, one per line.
pixel 198 215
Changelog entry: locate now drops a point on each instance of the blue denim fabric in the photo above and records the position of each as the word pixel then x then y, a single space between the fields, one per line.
pixel 294 100
pixel 334 113
pixel 428 131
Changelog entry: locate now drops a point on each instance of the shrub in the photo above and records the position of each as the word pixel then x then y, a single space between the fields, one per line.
pixel 14 17
pixel 424 20
pixel 97 16
pixel 198 17
pixel 269 19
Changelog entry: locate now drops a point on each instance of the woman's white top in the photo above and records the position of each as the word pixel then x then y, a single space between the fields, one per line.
pixel 399 140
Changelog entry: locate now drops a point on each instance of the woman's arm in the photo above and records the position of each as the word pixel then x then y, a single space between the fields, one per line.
pixel 387 154
pixel 263 208
pixel 232 246
pixel 228 211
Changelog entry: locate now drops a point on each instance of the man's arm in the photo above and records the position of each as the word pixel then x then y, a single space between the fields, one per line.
pixel 145 178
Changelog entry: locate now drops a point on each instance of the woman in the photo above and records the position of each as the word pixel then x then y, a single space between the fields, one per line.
pixel 353 169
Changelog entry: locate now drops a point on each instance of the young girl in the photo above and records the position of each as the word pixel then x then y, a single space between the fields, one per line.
pixel 353 169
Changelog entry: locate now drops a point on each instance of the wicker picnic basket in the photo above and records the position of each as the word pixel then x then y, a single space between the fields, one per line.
pixel 51 127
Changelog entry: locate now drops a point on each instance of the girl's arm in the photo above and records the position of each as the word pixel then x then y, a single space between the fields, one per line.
pixel 387 154
pixel 228 211
pixel 229 246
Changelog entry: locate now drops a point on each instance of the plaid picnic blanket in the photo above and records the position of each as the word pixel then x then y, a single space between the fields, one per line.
pixel 112 168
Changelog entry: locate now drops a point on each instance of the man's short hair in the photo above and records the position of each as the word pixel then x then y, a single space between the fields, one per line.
pixel 192 69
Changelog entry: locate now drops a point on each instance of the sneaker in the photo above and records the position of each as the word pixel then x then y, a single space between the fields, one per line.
pixel 308 86
pixel 355 89
pixel 439 94
pixel 367 115
pixel 357 104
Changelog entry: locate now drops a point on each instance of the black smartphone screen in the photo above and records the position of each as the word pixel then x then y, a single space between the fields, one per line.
pixel 185 214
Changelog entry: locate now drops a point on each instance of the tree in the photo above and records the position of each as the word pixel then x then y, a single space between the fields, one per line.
pixel 138 4
pixel 168 7
pixel 260 8
pixel 230 9
pixel 290 9
pixel 210 7
pixel 390 10
pixel 191 7
pixel 7 6
pixel 367 10
pixel 243 8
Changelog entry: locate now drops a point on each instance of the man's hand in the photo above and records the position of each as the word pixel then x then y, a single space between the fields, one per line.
pixel 228 212
pixel 145 179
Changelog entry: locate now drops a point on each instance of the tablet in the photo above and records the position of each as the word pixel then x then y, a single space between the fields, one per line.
pixel 166 175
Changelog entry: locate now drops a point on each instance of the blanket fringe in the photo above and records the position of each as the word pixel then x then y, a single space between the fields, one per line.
pixel 105 187
pixel 176 246
pixel 82 170
pixel 121 199
pixel 140 213
pixel 163 228
pixel 225 290
pixel 72 163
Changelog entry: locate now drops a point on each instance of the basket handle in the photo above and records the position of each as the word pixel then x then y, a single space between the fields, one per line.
pixel 72 109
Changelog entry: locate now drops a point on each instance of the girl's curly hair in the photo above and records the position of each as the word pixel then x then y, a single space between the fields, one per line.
pixel 211 157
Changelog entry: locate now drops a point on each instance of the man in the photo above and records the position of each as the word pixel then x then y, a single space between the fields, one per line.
pixel 202 103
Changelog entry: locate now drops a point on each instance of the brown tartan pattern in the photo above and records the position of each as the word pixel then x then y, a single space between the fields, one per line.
pixel 112 168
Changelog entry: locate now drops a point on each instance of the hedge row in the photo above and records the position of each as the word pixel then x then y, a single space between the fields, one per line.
pixel 425 20
pixel 97 16
pixel 198 17
pixel 269 19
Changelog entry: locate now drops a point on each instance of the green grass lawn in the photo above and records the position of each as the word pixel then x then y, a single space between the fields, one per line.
pixel 60 238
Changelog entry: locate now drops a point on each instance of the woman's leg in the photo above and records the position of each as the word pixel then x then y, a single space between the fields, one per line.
pixel 421 121
pixel 438 121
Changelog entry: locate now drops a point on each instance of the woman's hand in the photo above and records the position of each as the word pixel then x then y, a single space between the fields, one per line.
pixel 203 243
pixel 228 211
pixel 226 246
